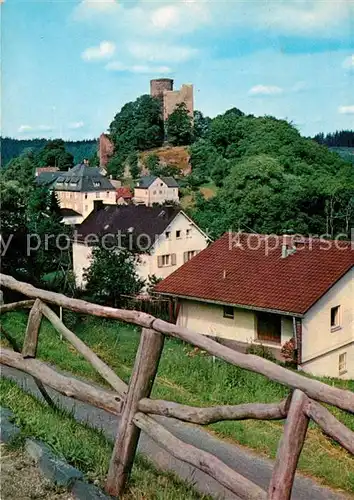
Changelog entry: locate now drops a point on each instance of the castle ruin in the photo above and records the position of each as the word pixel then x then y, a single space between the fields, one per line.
pixel 170 99
pixel 161 89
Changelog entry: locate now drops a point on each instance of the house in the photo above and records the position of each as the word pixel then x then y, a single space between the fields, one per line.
pixel 166 237
pixel 152 190
pixel 78 188
pixel 124 195
pixel 267 290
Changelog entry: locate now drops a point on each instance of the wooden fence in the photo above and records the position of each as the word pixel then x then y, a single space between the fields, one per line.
pixel 132 402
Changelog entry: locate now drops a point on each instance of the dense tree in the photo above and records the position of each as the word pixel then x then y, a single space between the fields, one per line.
pixel 12 148
pixel 21 169
pixel 201 125
pixel 112 274
pixel 179 127
pixel 133 161
pixel 54 155
pixel 271 179
pixel 338 139
pixel 137 127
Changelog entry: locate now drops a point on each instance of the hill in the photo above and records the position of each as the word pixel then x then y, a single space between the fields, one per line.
pixel 178 157
pixel 345 153
pixel 12 148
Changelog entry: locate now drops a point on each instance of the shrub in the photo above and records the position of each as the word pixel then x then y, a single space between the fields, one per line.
pixel 261 351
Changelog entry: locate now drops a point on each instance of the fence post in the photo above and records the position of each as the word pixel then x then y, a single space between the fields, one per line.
pixel 33 325
pixel 289 449
pixel 141 382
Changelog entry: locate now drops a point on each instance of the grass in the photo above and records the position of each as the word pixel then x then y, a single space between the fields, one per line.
pixel 87 449
pixel 188 376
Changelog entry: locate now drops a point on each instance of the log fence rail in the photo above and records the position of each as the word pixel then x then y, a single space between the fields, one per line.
pixel 132 402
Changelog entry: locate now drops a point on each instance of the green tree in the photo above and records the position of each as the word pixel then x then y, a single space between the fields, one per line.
pixel 201 125
pixel 111 275
pixel 54 155
pixel 179 127
pixel 137 127
pixel 133 160
pixel 21 169
pixel 152 163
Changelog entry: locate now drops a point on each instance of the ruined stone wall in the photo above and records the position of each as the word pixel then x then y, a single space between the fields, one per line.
pixel 157 87
pixel 105 150
pixel 175 97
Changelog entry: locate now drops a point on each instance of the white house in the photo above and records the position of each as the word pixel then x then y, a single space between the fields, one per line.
pixel 166 236
pixel 267 290
pixel 152 190
pixel 79 188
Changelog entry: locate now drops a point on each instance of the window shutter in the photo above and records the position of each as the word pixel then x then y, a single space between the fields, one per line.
pixel 159 261
pixel 185 257
pixel 174 259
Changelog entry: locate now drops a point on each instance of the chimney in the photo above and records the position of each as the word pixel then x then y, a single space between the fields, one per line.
pixel 288 246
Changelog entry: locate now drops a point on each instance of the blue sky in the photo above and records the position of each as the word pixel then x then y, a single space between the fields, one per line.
pixel 68 66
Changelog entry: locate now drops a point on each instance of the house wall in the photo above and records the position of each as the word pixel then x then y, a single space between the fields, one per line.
pixel 83 203
pixel 196 241
pixel 322 345
pixel 209 319
pixel 158 192
pixel 82 255
pixel 149 263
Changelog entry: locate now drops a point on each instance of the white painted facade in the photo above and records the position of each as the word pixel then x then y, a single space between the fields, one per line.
pixel 157 192
pixel 322 346
pixel 208 318
pixel 181 240
pixel 83 203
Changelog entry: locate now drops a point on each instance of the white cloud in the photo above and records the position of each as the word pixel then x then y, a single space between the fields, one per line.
pixel 299 87
pixel 157 52
pixel 76 125
pixel 265 90
pixel 138 68
pixel 348 62
pixel 104 50
pixel 25 129
pixel 166 16
pixel 346 110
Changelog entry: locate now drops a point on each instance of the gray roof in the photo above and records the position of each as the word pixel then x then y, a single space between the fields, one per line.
pixel 146 181
pixel 80 178
pixel 137 220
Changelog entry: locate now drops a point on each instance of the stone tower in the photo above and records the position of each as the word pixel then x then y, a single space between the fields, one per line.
pixel 163 89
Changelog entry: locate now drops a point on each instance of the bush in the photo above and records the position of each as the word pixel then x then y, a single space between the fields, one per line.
pixel 289 352
pixel 261 351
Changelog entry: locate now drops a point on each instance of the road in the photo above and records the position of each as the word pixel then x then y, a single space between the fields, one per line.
pixel 255 468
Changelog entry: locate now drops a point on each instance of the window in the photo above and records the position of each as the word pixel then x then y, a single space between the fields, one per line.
pixel 86 208
pixel 85 196
pixel 178 234
pixel 107 194
pixel 160 192
pixel 168 235
pixel 154 192
pixel 166 260
pixel 229 312
pixel 269 327
pixel 97 195
pixel 188 233
pixel 335 317
pixel 342 364
pixel 187 256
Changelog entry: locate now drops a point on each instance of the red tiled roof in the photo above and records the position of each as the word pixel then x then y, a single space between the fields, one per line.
pixel 124 192
pixel 247 277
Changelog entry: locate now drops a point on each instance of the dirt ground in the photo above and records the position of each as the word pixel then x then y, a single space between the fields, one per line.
pixel 21 479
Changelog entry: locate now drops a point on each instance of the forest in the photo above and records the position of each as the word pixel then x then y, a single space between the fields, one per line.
pixel 12 148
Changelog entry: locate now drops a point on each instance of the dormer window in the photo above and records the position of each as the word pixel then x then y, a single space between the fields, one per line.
pixel 96 183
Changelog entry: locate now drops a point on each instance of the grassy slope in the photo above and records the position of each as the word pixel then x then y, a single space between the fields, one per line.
pixel 87 449
pixel 193 378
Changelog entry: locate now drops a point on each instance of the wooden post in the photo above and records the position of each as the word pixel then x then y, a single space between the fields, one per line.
pixel 33 325
pixel 289 449
pixel 141 382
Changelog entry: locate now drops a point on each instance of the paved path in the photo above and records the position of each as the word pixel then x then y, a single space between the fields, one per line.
pixel 247 463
